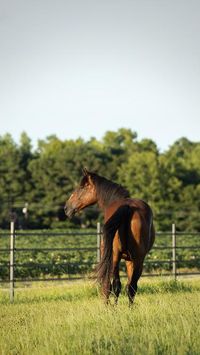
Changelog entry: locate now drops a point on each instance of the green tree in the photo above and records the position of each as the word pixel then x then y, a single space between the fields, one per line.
pixel 46 176
pixel 10 178
pixel 117 146
pixel 181 179
pixel 141 176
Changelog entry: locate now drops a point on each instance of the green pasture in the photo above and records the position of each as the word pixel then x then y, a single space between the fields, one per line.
pixel 72 319
pixel 73 263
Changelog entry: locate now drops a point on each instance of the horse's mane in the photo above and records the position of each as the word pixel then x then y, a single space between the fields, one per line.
pixel 108 191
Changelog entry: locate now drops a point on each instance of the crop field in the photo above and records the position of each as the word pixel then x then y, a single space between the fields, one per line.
pixel 72 263
pixel 70 318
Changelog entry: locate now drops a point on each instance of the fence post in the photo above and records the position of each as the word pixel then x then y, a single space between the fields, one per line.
pixel 174 251
pixel 12 258
pixel 98 242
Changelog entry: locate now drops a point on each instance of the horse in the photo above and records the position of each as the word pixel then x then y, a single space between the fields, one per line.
pixel 128 231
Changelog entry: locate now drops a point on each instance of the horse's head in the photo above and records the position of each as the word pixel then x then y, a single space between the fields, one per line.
pixel 84 195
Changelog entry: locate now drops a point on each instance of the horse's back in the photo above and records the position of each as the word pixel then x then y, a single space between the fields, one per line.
pixel 139 234
pixel 139 206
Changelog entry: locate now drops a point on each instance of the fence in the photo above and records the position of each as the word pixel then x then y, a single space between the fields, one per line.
pixel 172 249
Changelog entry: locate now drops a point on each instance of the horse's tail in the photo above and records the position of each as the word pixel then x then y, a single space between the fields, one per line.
pixel 104 268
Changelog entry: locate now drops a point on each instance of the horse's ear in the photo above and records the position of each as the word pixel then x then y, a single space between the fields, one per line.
pixel 85 172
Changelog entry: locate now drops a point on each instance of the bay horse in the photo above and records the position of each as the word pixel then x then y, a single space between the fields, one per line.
pixel 128 232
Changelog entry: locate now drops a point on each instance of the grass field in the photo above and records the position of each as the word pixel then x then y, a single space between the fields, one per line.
pixel 71 319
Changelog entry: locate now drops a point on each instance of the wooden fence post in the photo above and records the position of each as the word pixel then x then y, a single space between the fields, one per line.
pixel 98 242
pixel 12 259
pixel 174 273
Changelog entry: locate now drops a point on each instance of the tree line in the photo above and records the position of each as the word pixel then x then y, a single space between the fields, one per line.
pixel 35 183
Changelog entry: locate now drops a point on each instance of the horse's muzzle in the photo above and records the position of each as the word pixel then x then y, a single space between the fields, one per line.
pixel 69 211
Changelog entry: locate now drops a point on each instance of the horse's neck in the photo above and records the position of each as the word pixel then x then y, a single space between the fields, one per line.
pixel 108 193
pixel 104 203
pixel 101 204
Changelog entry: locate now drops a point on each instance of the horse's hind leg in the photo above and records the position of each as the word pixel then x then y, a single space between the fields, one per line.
pixel 134 271
pixel 116 285
pixel 106 290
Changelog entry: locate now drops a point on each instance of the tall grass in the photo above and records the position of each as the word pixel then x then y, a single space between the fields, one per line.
pixel 72 319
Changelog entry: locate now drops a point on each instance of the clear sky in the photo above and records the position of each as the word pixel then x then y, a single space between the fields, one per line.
pixel 80 68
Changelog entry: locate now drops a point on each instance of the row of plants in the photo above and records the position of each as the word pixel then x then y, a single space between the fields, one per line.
pixel 79 254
